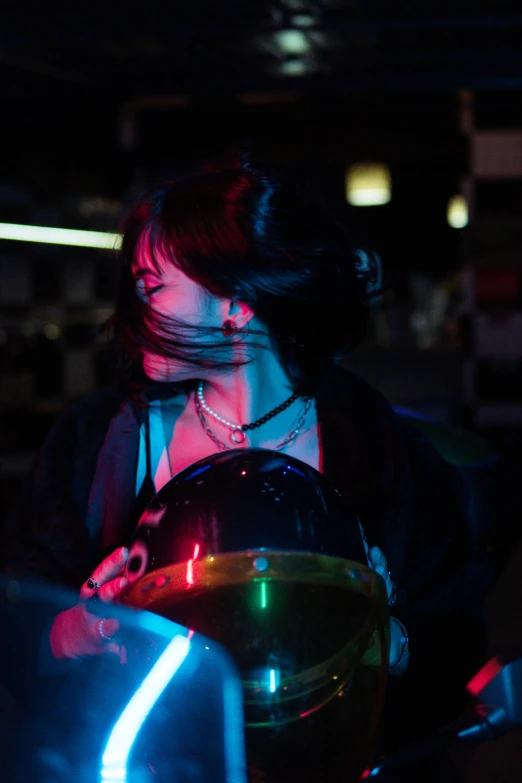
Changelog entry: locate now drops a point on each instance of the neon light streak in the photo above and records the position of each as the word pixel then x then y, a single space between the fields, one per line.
pixel 47 235
pixel 263 595
pixel 126 728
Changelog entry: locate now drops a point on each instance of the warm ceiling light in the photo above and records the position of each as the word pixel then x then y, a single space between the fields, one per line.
pixel 60 236
pixel 457 212
pixel 368 184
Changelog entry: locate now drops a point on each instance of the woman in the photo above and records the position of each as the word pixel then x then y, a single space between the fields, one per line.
pixel 234 303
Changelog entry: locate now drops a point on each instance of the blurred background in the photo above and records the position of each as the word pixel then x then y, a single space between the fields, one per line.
pixel 406 118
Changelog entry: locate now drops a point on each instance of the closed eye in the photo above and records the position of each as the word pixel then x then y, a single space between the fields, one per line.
pixel 154 290
pixel 145 293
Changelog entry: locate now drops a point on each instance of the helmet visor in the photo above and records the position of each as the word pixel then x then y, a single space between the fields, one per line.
pixel 303 629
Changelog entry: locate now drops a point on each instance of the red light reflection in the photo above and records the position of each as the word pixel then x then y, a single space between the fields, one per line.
pixel 483 677
pixel 190 573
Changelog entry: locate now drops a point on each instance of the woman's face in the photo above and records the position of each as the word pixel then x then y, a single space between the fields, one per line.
pixel 172 294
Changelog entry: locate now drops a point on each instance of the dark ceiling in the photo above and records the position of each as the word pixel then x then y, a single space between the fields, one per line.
pixel 85 85
pixel 92 92
pixel 125 50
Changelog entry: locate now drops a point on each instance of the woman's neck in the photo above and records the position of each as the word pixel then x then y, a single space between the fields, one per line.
pixel 242 397
pixel 249 392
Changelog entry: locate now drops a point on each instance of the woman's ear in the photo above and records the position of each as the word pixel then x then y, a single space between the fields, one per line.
pixel 240 313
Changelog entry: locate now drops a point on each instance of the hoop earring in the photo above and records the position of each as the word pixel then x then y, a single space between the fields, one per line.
pixel 229 328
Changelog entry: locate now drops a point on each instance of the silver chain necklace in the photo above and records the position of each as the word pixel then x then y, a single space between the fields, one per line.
pixel 290 438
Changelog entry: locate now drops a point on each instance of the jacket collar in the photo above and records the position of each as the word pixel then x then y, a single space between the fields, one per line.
pixel 112 496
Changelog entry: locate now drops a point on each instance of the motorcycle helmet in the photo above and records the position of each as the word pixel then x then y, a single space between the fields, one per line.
pixel 257 551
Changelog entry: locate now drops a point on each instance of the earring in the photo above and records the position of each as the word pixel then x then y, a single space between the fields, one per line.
pixel 229 328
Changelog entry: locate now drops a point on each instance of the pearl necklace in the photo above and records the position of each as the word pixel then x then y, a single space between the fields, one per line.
pixel 238 430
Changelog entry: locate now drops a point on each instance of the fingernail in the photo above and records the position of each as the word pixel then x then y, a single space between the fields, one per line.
pixel 124 552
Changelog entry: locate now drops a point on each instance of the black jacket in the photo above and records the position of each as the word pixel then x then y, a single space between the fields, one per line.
pixel 408 499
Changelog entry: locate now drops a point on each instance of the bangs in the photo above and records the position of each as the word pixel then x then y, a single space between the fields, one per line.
pixel 152 250
pixel 195 228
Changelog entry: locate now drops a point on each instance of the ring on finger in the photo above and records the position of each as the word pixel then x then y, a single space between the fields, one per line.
pixel 103 636
pixel 92 584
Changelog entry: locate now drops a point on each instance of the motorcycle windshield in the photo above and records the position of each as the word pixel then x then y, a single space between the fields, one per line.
pixel 167 707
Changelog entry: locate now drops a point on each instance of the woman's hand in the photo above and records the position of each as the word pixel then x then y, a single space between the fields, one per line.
pixel 77 632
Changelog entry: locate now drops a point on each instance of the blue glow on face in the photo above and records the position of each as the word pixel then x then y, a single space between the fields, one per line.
pixel 128 725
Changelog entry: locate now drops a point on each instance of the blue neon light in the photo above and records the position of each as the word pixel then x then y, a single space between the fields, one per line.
pixel 128 725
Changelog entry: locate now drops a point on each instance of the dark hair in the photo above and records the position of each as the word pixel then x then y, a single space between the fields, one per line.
pixel 244 235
